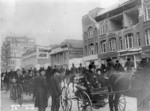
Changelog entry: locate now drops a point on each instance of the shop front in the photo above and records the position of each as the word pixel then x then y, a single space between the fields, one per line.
pixel 146 52
pixel 92 58
pixel 133 54
pixel 105 56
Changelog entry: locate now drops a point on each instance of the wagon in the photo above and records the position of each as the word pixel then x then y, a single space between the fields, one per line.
pixel 84 97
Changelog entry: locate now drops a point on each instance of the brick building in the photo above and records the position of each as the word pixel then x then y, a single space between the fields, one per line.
pixel 12 49
pixel 124 31
pixel 68 49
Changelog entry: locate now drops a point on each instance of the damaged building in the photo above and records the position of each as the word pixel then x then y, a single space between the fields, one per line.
pixel 118 32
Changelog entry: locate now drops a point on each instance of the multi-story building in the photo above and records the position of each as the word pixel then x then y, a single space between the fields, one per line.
pixel 67 50
pixel 12 49
pixel 124 31
pixel 36 57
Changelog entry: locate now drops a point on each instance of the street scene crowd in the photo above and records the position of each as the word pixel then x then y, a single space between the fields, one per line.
pixel 46 82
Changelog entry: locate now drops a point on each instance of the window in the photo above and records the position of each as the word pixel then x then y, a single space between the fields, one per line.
pixel 120 43
pixel 64 55
pixel 103 46
pixel 103 29
pixel 147 36
pixel 129 40
pixel 138 39
pixel 148 12
pixel 86 53
pixel 112 45
pixel 91 49
pixel 96 48
pixel 85 35
pixel 95 33
pixel 90 33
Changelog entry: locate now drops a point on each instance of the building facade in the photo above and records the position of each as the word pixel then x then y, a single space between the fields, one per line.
pixel 123 32
pixel 12 49
pixel 36 57
pixel 67 50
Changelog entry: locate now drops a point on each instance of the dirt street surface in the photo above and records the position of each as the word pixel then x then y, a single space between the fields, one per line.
pixel 9 105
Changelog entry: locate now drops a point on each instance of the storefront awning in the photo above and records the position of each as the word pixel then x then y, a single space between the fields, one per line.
pixel 127 52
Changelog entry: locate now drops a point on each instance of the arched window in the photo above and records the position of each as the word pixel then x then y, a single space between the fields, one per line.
pixel 147 36
pixel 129 40
pixel 112 44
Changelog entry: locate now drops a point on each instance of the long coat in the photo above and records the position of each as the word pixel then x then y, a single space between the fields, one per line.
pixel 40 92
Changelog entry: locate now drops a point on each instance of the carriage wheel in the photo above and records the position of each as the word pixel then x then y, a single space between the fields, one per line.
pixel 20 94
pixel 84 102
pixel 122 103
pixel 66 100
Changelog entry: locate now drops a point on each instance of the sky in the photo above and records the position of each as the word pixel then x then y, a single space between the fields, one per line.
pixel 49 21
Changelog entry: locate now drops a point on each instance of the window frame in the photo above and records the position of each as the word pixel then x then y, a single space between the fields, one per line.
pixel 138 39
pixel 103 28
pixel 148 11
pixel 103 46
pixel 147 37
pixel 120 41
pixel 127 40
pixel 91 49
pixel 112 45
pixel 90 32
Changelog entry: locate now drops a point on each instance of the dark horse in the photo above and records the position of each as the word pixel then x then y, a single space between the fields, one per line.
pixel 131 86
pixel 119 82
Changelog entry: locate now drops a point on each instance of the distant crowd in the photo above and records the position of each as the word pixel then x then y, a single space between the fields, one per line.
pixel 110 66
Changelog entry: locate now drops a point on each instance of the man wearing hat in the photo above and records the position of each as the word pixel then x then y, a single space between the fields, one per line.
pixel 129 65
pixel 55 90
pixel 40 91
pixel 92 76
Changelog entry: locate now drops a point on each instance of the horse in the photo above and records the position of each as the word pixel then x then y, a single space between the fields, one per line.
pixel 122 83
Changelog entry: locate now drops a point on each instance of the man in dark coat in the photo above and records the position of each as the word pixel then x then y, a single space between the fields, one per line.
pixel 110 67
pixel 73 69
pixel 55 90
pixel 91 76
pixel 118 67
pixel 40 91
pixel 80 69
pixel 129 65
pixel 103 68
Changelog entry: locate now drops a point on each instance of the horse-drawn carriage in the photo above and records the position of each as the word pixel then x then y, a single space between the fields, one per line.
pixel 85 97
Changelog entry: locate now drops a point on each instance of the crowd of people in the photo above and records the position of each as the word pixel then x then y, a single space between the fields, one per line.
pixel 47 81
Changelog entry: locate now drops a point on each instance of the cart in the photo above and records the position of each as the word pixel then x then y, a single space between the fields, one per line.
pixel 85 97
